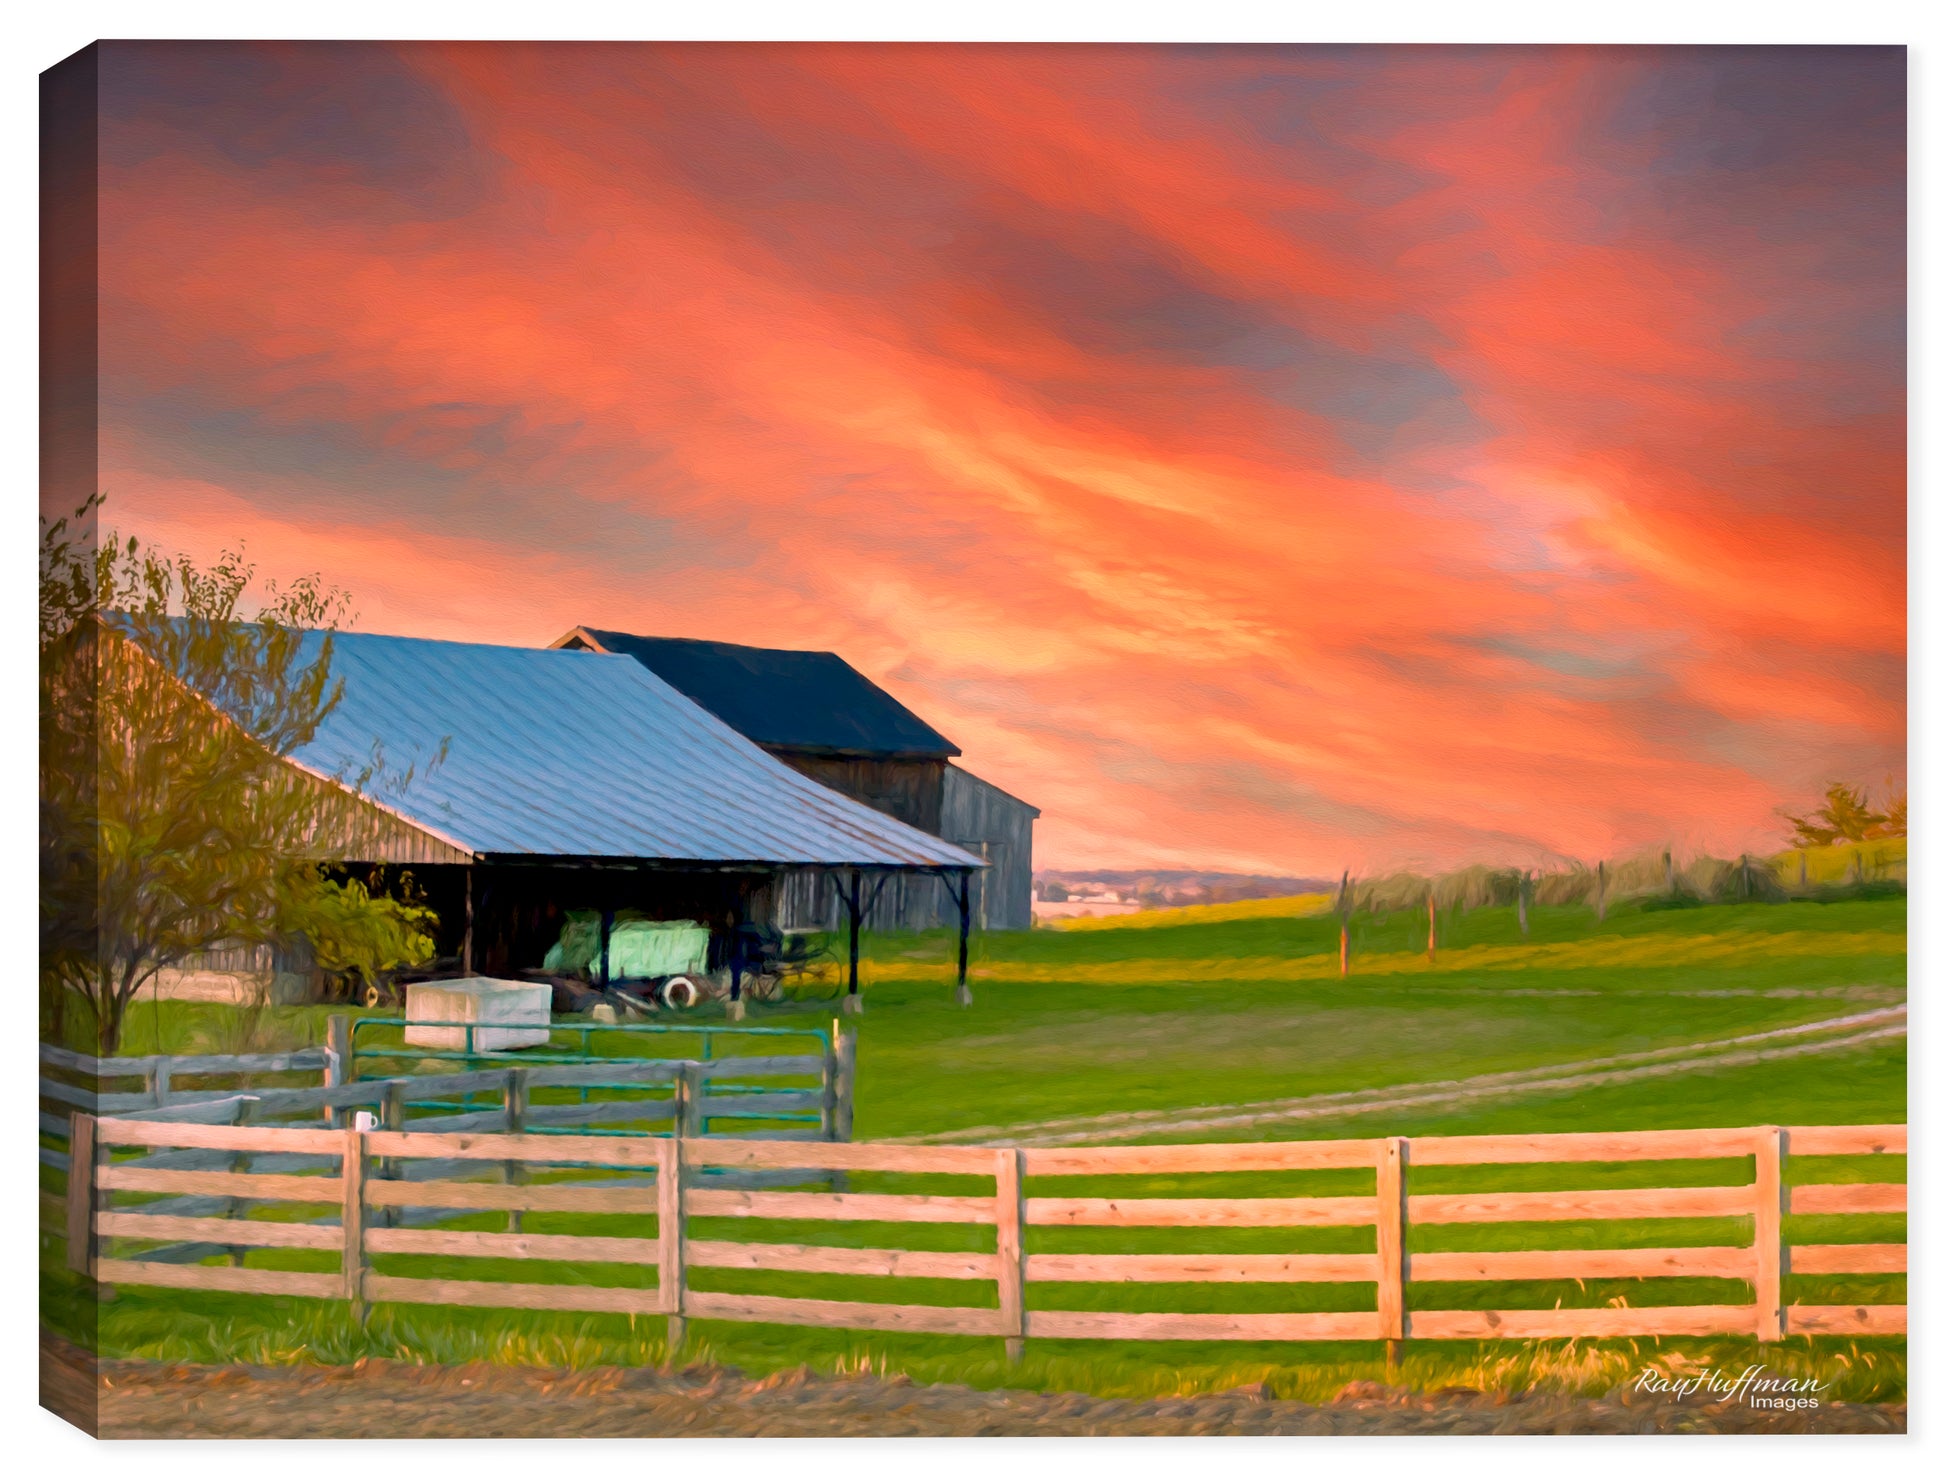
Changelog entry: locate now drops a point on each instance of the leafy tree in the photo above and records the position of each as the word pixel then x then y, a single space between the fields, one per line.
pixel 355 931
pixel 1894 823
pixel 169 822
pixel 1847 816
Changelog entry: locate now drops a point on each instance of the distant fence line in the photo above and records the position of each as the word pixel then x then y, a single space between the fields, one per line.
pixel 378 1181
pixel 1798 873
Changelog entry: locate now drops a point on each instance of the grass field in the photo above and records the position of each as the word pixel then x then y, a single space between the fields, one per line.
pixel 1186 1020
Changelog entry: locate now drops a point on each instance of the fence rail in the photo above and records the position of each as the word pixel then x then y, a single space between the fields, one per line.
pixel 660 1185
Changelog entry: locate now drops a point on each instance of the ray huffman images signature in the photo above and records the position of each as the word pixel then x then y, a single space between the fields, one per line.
pixel 1752 1387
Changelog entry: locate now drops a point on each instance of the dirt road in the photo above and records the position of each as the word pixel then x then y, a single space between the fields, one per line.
pixel 141 1399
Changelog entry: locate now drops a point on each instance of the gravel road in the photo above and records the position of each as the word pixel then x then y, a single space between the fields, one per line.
pixel 143 1399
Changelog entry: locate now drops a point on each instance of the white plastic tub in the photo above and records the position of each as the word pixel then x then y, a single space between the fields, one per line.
pixel 510 1014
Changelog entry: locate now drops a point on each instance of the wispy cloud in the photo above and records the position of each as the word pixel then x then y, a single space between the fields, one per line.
pixel 1263 456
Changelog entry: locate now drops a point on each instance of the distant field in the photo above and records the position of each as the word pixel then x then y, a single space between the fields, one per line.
pixel 1071 1022
pixel 1294 906
pixel 1177 1020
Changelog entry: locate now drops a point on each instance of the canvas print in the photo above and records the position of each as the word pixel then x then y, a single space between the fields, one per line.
pixel 953 740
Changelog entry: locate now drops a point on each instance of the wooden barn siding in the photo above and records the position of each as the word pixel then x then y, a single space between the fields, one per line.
pixel 985 820
pixel 353 830
pixel 906 789
pixel 234 960
pixel 809 899
pixel 259 959
pixel 974 815
pixel 348 829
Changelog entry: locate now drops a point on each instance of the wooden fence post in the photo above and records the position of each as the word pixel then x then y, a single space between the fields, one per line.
pixel 354 1222
pixel 1432 926
pixel 1012 1249
pixel 246 1114
pixel 669 1238
pixel 847 1052
pixel 514 1097
pixel 158 1084
pixel 689 1100
pixel 1342 907
pixel 81 1193
pixel 1392 1157
pixel 1769 1249
pixel 828 1106
pixel 337 1060
pixel 391 1116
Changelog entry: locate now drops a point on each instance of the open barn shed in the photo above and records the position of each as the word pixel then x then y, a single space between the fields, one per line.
pixel 520 783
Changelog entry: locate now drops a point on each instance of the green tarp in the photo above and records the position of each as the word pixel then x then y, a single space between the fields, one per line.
pixel 637 948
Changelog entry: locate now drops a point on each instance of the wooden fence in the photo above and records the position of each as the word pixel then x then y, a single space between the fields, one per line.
pixel 380 1182
pixel 642 1096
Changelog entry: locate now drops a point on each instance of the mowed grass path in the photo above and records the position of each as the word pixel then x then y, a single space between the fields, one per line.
pixel 1077 1023
pixel 1084 1022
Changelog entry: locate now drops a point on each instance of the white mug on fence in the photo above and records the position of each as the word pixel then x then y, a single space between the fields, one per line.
pixel 364 1119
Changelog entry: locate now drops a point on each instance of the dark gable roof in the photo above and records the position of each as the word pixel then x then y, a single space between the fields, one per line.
pixel 809 701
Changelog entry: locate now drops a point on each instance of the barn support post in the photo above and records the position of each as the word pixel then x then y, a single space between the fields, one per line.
pixel 735 1009
pixel 483 940
pixel 853 1003
pixel 607 927
pixel 962 993
pixel 466 939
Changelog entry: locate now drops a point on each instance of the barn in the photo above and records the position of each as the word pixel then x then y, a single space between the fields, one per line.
pixel 826 720
pixel 520 783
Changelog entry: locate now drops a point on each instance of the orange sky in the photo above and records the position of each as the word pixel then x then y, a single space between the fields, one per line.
pixel 1267 458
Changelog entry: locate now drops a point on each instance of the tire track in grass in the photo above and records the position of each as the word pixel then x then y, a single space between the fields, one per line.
pixel 1831 1034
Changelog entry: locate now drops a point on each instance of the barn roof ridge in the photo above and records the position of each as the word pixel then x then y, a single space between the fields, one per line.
pixel 800 699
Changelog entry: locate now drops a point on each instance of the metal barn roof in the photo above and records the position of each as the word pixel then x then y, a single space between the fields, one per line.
pixel 576 754
pixel 807 701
